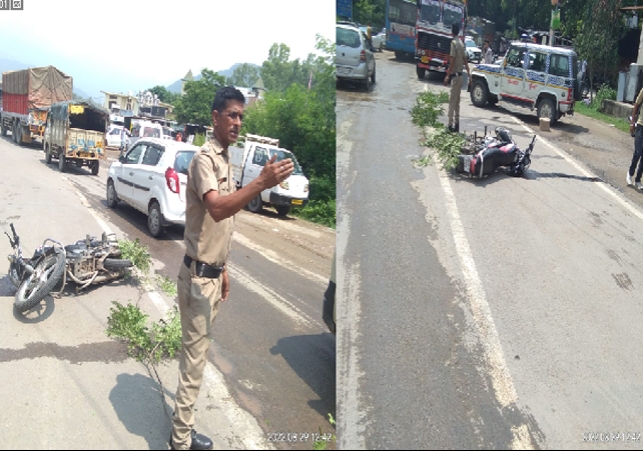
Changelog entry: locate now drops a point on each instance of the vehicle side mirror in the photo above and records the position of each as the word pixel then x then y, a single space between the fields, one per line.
pixel 121 158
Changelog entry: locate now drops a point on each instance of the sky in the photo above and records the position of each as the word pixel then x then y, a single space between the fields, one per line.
pixel 125 45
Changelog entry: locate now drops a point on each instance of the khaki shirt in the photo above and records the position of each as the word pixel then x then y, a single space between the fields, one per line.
pixel 457 52
pixel 206 240
pixel 639 100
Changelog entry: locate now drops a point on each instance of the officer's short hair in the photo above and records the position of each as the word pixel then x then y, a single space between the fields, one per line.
pixel 455 28
pixel 223 95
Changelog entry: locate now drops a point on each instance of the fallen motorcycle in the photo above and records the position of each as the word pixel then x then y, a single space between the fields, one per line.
pixel 86 262
pixel 490 153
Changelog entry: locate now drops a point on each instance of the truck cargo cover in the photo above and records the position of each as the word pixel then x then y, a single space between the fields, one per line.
pixel 60 110
pixel 43 85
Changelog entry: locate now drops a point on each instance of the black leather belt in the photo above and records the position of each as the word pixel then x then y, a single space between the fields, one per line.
pixel 458 74
pixel 203 269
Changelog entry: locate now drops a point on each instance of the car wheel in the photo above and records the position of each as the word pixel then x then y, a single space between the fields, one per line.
pixel 547 110
pixel 479 93
pixel 420 71
pixel 62 164
pixel 95 167
pixel 367 83
pixel 112 198
pixel 255 205
pixel 398 55
pixel 3 129
pixel 155 220
pixel 282 210
pixel 373 76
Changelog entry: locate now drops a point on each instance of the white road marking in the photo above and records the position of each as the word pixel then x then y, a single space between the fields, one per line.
pixel 352 424
pixel 604 186
pixel 275 258
pixel 277 301
pixel 252 435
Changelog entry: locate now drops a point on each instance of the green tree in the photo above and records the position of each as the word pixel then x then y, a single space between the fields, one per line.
pixel 195 105
pixel 599 30
pixel 244 75
pixel 370 12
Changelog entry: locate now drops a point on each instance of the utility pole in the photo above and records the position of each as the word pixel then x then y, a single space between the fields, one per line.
pixel 554 4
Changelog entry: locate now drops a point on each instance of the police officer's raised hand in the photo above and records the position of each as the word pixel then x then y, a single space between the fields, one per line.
pixel 275 172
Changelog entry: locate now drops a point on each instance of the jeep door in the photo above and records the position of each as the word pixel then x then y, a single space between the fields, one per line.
pixel 512 80
pixel 146 175
pixel 536 73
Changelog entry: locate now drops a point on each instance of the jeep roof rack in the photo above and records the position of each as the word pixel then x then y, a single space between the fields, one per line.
pixel 262 139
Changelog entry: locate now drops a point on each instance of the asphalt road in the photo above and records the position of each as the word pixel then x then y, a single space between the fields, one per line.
pixel 497 313
pixel 66 384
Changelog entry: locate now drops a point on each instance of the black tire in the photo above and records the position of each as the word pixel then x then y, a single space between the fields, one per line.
pixel 282 210
pixel 493 100
pixel 111 196
pixel 584 91
pixel 255 205
pixel 479 93
pixel 14 132
pixel 46 275
pixel 47 154
pixel 373 76
pixel 367 83
pixel 19 134
pixel 95 167
pixel 117 263
pixel 398 55
pixel 420 71
pixel 155 220
pixel 547 110
pixel 62 163
pixel 3 129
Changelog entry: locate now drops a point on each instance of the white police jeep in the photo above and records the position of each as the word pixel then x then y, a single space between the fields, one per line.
pixel 532 76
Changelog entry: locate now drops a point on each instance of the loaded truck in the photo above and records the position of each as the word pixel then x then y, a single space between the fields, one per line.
pixel 76 134
pixel 248 160
pixel 27 96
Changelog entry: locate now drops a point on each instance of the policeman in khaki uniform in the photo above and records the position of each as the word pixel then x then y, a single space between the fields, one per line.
pixel 636 130
pixel 457 59
pixel 211 202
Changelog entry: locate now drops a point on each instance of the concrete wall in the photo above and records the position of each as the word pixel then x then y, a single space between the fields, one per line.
pixel 616 109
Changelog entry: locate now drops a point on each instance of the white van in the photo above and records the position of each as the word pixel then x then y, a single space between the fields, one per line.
pixel 248 162
pixel 145 129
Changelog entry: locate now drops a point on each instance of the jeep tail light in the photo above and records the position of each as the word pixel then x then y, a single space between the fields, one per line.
pixel 362 56
pixel 172 179
pixel 570 93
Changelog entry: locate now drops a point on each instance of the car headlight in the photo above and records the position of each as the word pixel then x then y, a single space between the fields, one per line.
pixel 284 185
pixel 306 188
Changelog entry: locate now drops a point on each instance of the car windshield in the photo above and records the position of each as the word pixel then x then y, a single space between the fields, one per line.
pixel 348 37
pixel 283 155
pixel 470 44
pixel 182 161
pixel 150 132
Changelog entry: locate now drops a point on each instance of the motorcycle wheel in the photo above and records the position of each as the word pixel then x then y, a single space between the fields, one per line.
pixel 38 285
pixel 117 263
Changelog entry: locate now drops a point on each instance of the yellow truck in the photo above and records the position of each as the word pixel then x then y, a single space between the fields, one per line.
pixel 76 134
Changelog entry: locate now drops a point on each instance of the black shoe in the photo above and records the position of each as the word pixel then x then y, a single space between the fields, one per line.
pixel 450 129
pixel 457 127
pixel 199 441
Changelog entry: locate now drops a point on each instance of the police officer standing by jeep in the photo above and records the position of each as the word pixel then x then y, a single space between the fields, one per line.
pixel 203 283
pixel 457 59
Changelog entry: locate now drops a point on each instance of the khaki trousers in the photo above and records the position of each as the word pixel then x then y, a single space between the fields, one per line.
pixel 454 100
pixel 199 300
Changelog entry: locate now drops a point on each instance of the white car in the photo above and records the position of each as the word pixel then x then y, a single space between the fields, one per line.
pixel 354 59
pixel 152 178
pixel 113 136
pixel 379 39
pixel 474 54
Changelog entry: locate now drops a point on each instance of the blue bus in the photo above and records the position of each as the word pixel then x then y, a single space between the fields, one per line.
pixel 401 18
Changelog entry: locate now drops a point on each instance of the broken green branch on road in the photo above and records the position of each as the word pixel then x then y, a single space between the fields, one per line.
pixel 447 145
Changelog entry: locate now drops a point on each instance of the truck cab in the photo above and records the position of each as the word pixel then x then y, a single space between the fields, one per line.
pixel 248 162
pixel 533 76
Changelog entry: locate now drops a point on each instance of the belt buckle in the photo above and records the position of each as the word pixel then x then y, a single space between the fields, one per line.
pixel 199 269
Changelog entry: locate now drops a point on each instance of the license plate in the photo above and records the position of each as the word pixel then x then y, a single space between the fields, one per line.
pixel 297 202
pixel 344 70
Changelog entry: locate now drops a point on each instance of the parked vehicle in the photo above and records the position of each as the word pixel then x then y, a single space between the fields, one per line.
pixel 152 178
pixel 433 39
pixel 26 97
pixel 247 163
pixel 86 262
pixel 145 129
pixel 534 76
pixel 114 136
pixel 377 39
pixel 401 18
pixel 494 152
pixel 76 135
pixel 474 54
pixel 354 58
